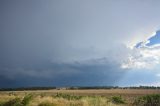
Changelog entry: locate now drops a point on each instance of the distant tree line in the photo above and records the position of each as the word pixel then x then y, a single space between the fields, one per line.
pixel 27 88
pixel 116 87
pixel 94 87
pixel 77 88
pixel 142 87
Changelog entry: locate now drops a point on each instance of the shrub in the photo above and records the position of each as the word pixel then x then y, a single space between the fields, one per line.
pixel 117 100
pixel 68 97
pixel 26 100
pixel 1 103
pixel 148 100
pixel 18 102
pixel 47 104
pixel 12 102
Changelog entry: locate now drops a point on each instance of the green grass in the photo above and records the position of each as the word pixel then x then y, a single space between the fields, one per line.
pixel 67 96
pixel 26 100
pixel 66 99
pixel 148 100
pixel 18 101
pixel 117 100
pixel 12 102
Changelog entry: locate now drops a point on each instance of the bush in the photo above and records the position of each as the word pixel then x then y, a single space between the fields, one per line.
pixel 26 100
pixel 117 100
pixel 18 102
pixel 47 104
pixel 1 103
pixel 148 100
pixel 12 102
pixel 68 97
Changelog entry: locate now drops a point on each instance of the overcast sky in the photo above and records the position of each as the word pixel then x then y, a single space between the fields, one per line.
pixel 79 43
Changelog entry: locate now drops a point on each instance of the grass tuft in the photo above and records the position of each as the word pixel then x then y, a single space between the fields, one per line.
pixel 26 100
pixel 67 96
pixel 117 100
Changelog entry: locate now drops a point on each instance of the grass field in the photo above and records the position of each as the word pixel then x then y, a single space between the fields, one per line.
pixel 112 97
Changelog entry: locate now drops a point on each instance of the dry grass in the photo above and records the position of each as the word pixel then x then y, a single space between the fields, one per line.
pixel 101 92
pixel 89 97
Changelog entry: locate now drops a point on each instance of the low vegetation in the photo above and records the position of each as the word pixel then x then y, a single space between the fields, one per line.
pixel 12 102
pixel 77 98
pixel 118 100
pixel 148 100
pixel 18 101
pixel 60 99
pixel 68 96
pixel 47 104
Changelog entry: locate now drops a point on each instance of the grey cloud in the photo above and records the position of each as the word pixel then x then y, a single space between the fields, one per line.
pixel 67 42
pixel 95 72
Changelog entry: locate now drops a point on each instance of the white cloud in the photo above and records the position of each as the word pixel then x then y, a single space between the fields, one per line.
pixel 143 56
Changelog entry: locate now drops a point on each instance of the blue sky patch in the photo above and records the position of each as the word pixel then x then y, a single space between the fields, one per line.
pixel 155 39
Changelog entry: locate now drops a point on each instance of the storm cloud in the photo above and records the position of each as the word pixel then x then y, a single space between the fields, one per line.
pixel 67 43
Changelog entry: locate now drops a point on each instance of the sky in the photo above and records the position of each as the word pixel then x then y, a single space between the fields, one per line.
pixel 79 43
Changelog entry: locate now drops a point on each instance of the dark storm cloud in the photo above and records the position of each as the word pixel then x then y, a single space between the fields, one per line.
pixel 94 72
pixel 36 33
pixel 70 42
